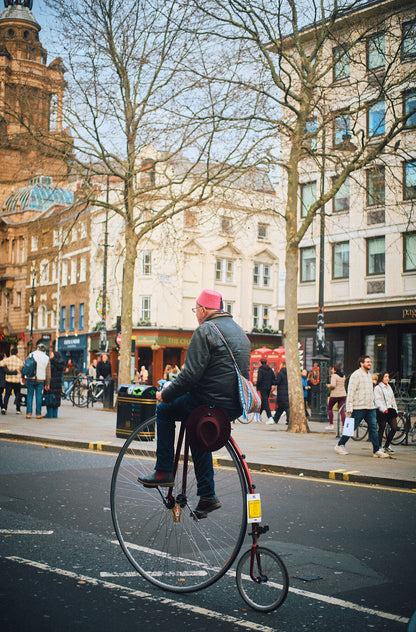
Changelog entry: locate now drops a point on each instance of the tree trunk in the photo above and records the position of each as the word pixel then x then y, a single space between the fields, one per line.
pixel 127 305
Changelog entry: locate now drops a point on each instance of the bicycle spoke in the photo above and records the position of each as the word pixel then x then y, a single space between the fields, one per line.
pixel 269 588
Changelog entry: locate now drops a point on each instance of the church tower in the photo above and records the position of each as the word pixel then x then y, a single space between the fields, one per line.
pixel 31 96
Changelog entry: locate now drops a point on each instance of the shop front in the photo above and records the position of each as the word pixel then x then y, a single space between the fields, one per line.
pixel 386 334
pixel 74 348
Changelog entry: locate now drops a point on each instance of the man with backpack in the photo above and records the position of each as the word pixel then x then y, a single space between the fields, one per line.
pixel 39 381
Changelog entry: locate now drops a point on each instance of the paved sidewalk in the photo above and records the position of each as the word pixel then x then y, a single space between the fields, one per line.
pixel 266 447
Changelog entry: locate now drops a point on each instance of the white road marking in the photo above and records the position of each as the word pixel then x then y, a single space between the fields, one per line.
pixel 25 532
pixel 297 591
pixel 143 595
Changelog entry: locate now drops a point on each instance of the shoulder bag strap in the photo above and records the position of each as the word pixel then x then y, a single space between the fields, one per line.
pixel 227 346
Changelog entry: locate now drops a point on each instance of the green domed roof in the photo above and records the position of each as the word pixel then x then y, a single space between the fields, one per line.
pixel 38 195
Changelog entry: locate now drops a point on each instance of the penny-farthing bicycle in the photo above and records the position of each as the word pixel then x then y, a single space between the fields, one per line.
pixel 175 548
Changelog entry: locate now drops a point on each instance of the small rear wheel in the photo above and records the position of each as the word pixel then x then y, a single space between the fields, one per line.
pixel 269 588
pixel 400 433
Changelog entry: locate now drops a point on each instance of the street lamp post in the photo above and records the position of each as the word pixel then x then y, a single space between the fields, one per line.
pixel 103 327
pixel 319 396
pixel 32 306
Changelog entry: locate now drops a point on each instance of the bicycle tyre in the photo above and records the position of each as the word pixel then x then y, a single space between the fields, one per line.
pixel 179 556
pixel 267 595
pixel 79 396
pixel 361 431
pixel 400 433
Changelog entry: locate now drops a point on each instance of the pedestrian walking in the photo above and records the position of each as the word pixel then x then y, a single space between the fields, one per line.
pixel 282 397
pixel 104 368
pixel 338 395
pixel 92 369
pixel 386 410
pixel 360 405
pixel 12 367
pixel 265 380
pixel 36 385
pixel 53 395
pixel 69 374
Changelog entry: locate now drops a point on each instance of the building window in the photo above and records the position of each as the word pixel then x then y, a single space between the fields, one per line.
pixel 56 237
pixel 146 309
pixel 13 251
pixel 34 243
pixel 375 255
pixel 146 264
pixel 224 270
pixel 73 271
pixel 409 40
pixel 22 250
pixel 341 63
pixel 376 52
pixel 261 275
pixel 376 119
pixel 42 317
pixel 53 318
pixel 409 107
pixel 341 199
pixel 375 187
pixel 307 197
pixel 65 273
pixel 18 299
pixel 81 316
pixel 147 173
pixel 229 307
pixel 54 271
pixel 190 219
pixel 83 231
pixel 307 264
pixel 74 234
pixel 260 316
pixel 262 231
pixel 82 269
pixel 341 129
pixel 409 180
pixel 310 131
pixel 63 318
pixel 71 317
pixel 226 225
pixel 44 272
pixel 409 252
pixel 341 260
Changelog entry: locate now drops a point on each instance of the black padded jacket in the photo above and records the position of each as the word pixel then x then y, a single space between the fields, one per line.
pixel 209 373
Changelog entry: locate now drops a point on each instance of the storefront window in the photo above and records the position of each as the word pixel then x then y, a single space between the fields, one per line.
pixel 375 346
pixel 408 356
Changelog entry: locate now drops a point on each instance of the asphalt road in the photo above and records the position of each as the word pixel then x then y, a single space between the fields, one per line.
pixel 350 551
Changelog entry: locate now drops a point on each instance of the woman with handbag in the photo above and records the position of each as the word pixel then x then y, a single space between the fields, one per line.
pixel 386 409
pixel 53 395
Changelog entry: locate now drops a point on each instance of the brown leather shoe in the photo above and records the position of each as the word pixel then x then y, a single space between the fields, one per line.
pixel 28 416
pixel 38 416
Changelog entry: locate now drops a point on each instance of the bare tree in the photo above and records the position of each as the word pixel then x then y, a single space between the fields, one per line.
pixel 330 112
pixel 135 110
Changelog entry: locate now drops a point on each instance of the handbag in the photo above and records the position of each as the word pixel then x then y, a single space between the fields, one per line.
pixel 348 430
pixel 50 399
pixel 249 398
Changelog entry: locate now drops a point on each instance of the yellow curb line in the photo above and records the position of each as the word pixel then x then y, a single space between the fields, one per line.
pixel 346 476
pixel 97 445
pixel 333 473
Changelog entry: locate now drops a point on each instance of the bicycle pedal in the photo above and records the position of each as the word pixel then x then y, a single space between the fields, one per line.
pixel 198 515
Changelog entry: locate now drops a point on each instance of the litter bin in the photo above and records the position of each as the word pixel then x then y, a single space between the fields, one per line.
pixel 108 393
pixel 135 404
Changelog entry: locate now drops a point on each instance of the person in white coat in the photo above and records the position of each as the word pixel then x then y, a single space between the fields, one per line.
pixel 386 409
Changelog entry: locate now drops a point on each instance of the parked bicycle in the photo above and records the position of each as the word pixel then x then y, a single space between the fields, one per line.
pixel 172 546
pixel 88 391
pixel 405 427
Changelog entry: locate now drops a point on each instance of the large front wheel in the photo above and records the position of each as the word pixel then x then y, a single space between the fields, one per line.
pixel 161 535
pixel 262 581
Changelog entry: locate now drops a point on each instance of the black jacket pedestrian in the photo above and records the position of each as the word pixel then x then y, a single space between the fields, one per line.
pixel 57 368
pixel 282 398
pixel 265 378
pixel 104 369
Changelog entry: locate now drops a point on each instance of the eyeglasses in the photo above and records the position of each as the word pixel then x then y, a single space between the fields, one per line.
pixel 194 309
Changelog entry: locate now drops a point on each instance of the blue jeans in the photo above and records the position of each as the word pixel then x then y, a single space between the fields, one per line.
pixel 34 388
pixel 369 415
pixel 51 412
pixel 166 416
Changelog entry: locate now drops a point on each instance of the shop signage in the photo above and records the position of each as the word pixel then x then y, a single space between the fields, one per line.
pixel 409 313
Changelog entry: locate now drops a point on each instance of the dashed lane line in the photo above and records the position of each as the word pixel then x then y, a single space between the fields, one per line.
pixel 143 595
pixel 25 532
